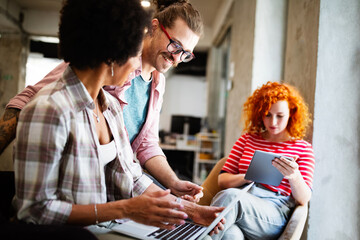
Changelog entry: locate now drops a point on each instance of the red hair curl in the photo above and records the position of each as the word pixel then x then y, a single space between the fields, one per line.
pixel 259 104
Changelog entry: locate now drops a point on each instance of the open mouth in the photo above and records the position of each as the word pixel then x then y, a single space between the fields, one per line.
pixel 170 61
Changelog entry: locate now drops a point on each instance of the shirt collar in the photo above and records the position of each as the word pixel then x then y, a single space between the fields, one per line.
pixel 79 94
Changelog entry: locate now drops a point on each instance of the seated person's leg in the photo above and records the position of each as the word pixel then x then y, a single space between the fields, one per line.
pixel 256 216
pixel 233 232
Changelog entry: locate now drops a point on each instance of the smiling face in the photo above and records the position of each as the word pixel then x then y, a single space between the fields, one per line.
pixel 276 120
pixel 155 51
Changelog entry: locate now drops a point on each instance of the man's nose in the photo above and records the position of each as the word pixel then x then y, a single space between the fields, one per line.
pixel 177 57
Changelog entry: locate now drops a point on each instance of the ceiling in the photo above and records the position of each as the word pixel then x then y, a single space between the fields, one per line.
pixel 49 5
pixel 207 8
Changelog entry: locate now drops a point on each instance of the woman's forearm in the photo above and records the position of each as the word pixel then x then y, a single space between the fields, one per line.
pixel 228 180
pixel 95 213
pixel 299 189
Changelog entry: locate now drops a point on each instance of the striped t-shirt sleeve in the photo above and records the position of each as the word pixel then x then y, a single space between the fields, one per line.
pixel 232 163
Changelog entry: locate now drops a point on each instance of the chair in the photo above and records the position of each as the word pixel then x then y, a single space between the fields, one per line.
pixel 294 227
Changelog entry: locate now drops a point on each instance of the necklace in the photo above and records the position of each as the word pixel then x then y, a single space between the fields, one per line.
pixel 97 113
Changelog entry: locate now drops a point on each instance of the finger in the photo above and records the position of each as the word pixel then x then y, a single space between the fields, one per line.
pixel 220 226
pixel 172 213
pixel 198 196
pixel 165 203
pixel 290 163
pixel 189 198
pixel 169 219
pixel 194 186
pixel 218 209
pixel 281 166
pixel 279 161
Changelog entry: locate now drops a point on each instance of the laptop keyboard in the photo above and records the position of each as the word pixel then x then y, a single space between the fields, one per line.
pixel 182 232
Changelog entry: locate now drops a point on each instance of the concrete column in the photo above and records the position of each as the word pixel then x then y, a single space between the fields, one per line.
pixel 301 49
pixel 335 205
pixel 14 48
pixel 241 61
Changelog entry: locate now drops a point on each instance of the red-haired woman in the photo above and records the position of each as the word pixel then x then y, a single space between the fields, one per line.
pixel 276 118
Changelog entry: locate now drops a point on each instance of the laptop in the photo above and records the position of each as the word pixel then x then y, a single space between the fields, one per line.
pixel 187 231
pixel 261 169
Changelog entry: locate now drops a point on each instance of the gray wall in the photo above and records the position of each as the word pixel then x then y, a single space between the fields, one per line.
pixel 335 205
pixel 13 54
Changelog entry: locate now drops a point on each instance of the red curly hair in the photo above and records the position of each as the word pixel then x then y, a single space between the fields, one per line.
pixel 259 104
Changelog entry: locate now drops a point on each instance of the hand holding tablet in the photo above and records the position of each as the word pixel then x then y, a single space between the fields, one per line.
pixel 261 169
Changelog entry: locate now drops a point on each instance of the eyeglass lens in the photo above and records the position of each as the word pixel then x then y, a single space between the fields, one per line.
pixel 176 48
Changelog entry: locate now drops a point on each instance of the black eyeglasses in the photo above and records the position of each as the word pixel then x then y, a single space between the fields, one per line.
pixel 175 48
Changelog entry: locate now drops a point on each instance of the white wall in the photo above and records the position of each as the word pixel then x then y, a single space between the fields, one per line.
pixel 37 67
pixel 184 95
pixel 335 205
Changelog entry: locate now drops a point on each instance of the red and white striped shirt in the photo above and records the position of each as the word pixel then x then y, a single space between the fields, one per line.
pixel 244 148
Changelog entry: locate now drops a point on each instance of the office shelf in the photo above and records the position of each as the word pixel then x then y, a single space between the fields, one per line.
pixel 206 156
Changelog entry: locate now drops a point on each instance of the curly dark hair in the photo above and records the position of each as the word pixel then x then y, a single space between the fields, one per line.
pixel 92 32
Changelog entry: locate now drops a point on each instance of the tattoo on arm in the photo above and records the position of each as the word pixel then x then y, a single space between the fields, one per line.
pixel 11 113
pixel 8 123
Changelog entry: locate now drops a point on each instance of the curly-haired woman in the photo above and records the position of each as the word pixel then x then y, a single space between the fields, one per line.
pixel 275 119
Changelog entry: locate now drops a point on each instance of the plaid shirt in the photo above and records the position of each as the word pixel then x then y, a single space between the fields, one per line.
pixel 56 154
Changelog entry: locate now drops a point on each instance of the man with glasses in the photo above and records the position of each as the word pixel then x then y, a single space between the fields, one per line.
pixel 176 29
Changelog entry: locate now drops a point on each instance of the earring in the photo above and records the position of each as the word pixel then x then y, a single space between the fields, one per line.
pixel 112 69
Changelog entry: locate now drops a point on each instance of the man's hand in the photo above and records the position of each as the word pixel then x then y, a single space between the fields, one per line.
pixel 160 169
pixel 205 215
pixel 187 190
pixel 154 209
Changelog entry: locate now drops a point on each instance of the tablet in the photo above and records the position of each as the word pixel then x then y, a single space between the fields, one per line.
pixel 261 169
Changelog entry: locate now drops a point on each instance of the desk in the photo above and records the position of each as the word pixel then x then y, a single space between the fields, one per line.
pixel 191 148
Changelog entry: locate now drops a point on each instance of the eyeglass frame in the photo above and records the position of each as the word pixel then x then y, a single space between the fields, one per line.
pixel 181 49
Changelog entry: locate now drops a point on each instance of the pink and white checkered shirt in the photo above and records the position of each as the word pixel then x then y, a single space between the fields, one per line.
pixel 57 154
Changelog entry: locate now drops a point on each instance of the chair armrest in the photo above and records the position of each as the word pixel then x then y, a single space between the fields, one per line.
pixel 295 226
pixel 210 185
